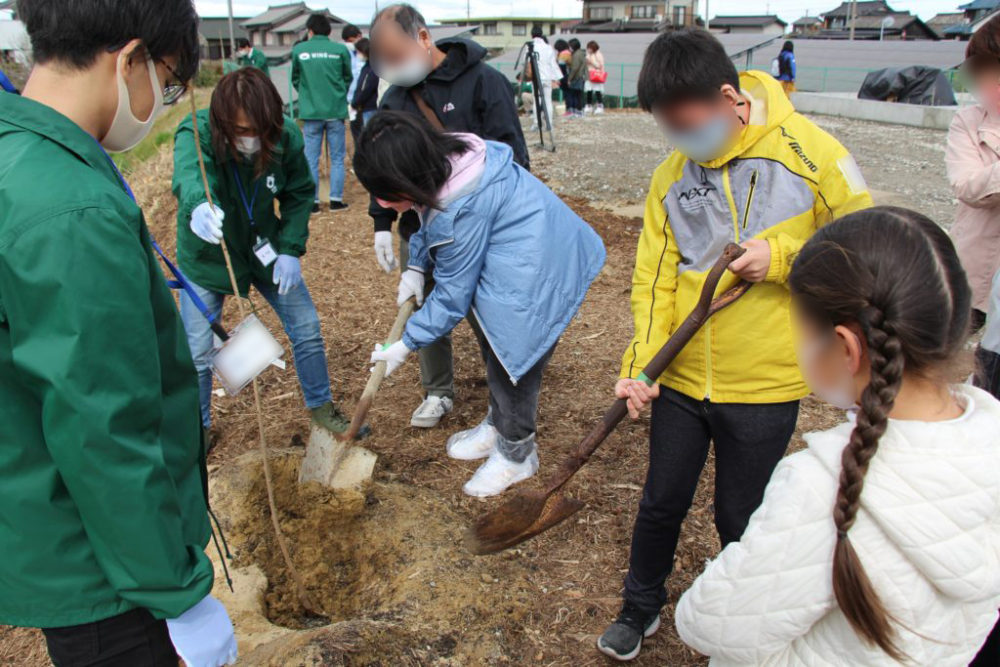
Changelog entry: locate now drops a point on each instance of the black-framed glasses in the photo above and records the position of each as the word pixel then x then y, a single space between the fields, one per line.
pixel 172 92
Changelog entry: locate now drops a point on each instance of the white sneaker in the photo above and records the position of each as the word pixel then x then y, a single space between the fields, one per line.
pixel 475 443
pixel 498 474
pixel 431 411
pixel 587 110
pixel 599 109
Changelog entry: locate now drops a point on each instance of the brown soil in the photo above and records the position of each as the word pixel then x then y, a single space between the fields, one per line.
pixel 388 565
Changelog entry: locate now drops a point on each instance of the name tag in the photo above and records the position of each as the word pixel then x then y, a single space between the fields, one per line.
pixel 265 252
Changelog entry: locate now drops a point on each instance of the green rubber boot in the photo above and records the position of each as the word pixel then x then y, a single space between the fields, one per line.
pixel 333 420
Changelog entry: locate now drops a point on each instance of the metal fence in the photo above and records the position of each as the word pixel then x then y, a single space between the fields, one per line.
pixel 620 89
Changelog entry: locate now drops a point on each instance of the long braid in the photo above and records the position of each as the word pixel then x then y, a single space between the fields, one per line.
pixel 912 321
pixel 855 594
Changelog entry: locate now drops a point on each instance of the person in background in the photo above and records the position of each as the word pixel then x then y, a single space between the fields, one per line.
pixel 504 251
pixel 734 177
pixel 577 77
pixel 595 70
pixel 321 73
pixel 449 82
pixel 879 544
pixel 563 56
pixel 786 67
pixel 254 160
pixel 549 73
pixel 350 35
pixel 972 158
pixel 6 85
pixel 365 100
pixel 102 461
pixel 248 56
pixel 987 377
pixel 526 93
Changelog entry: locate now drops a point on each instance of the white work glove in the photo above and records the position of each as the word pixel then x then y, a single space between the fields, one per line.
pixel 411 283
pixel 393 355
pixel 206 223
pixel 203 635
pixel 383 251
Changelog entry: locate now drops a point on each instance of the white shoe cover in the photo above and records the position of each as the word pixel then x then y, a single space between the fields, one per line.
pixel 474 443
pixel 498 474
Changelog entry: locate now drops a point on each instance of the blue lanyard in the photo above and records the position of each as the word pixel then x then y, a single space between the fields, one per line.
pixel 179 282
pixel 248 205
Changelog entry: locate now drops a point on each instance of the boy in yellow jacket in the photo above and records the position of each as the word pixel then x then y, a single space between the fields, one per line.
pixel 747 169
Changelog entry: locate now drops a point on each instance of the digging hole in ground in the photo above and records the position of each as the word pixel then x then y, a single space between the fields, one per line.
pixel 391 554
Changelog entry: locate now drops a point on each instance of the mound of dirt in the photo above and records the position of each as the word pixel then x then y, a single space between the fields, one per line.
pixel 386 566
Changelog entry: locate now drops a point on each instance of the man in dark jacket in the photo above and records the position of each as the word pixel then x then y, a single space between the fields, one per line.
pixel 447 81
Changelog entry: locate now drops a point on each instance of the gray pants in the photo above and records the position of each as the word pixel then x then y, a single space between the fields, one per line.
pixel 513 408
pixel 437 365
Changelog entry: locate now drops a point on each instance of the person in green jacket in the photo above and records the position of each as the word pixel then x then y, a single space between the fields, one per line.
pixel 321 73
pixel 248 56
pixel 253 158
pixel 102 466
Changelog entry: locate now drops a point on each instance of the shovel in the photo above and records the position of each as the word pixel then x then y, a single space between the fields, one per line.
pixel 330 459
pixel 533 511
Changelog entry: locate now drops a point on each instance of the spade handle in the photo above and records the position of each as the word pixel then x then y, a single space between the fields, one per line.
pixel 705 308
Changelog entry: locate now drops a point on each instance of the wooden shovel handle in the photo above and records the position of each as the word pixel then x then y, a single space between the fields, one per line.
pixel 378 373
pixel 394 335
pixel 705 308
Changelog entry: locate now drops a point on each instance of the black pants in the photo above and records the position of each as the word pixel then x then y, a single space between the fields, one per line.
pixel 749 440
pixel 132 639
pixel 591 94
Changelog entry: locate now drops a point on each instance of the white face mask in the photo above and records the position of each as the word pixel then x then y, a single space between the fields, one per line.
pixel 841 395
pixel 248 146
pixel 126 130
pixel 410 73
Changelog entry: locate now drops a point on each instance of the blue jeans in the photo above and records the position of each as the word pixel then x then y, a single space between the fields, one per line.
pixel 336 143
pixel 367 116
pixel 297 314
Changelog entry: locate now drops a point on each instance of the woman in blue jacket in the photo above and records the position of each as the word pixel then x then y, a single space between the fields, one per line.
pixel 502 249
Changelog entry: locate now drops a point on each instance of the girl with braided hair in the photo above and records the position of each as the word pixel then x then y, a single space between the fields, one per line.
pixel 878 544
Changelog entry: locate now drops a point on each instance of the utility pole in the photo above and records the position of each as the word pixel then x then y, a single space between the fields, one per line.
pixel 232 32
pixel 854 16
pixel 708 19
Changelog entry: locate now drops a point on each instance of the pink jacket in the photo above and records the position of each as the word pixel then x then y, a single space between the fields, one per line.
pixel 973 162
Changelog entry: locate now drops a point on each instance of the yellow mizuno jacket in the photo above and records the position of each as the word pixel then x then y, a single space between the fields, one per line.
pixel 783 180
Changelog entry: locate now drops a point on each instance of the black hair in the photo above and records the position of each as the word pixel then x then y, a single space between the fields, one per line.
pixel 74 33
pixel 362 45
pixel 400 156
pixel 788 46
pixel 319 24
pixel 536 31
pixel 684 65
pixel 350 31
pixel 574 44
pixel 409 19
pixel 242 42
pixel 561 45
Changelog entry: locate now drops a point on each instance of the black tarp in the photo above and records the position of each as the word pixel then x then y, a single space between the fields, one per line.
pixel 911 85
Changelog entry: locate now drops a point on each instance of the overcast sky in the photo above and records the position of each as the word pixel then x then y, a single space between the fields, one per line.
pixel 361 10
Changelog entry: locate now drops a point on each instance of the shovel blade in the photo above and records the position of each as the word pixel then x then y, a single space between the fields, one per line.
pixel 334 463
pixel 522 517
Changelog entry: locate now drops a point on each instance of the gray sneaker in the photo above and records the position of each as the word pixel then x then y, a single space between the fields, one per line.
pixel 623 638
pixel 431 411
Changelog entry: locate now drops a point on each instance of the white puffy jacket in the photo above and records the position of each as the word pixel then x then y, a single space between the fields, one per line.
pixel 927 533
